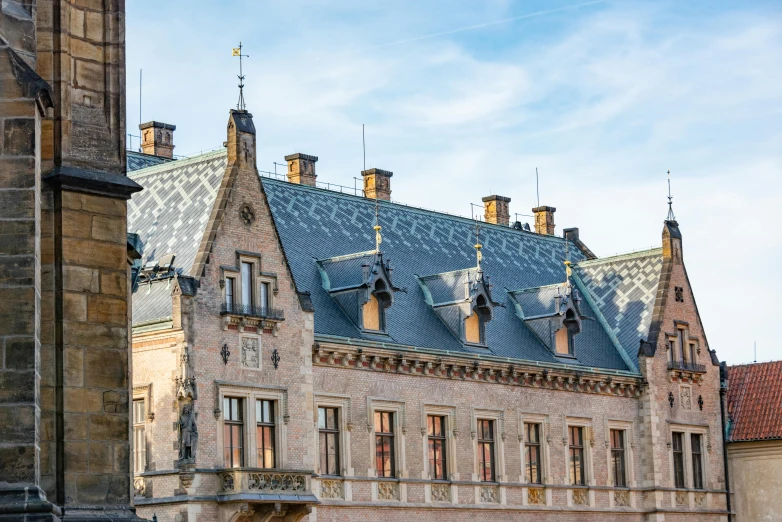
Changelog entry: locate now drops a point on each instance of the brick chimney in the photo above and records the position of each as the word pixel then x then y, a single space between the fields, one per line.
pixel 301 169
pixel 495 210
pixel 157 139
pixel 544 220
pixel 377 183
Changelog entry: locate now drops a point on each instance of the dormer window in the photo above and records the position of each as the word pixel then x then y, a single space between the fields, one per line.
pixel 361 285
pixel 462 300
pixel 553 314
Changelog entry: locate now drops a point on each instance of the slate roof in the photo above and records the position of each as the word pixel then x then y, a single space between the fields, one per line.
pixel 171 214
pixel 346 271
pixel 152 301
pixel 755 401
pixel 139 160
pixel 624 289
pixel 317 224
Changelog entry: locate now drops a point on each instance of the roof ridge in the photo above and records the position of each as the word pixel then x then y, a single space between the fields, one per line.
pixel 412 208
pixel 620 257
pixel 176 164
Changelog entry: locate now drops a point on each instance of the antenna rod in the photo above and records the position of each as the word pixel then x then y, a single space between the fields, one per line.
pixel 364 146
pixel 756 351
pixel 140 74
pixel 537 185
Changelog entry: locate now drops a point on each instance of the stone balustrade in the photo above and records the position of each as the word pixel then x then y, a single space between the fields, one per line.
pixel 234 481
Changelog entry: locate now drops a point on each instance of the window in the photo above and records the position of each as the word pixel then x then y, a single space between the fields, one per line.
pixel 697 462
pixel 618 458
pixel 371 314
pixel 472 329
pixel 532 461
pixel 264 432
pixel 693 353
pixel 435 426
pixel 682 346
pixel 565 337
pixel 486 450
pixel 328 440
pixel 139 437
pixel 577 475
pixel 678 459
pixel 229 293
pixel 232 432
pixel 247 284
pixel 265 302
pixel 384 444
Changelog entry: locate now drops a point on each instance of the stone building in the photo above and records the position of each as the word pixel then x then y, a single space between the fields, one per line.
pixel 351 358
pixel 64 262
pixel 754 440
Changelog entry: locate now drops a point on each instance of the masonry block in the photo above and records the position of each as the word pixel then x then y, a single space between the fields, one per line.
pixel 109 427
pixel 107 310
pixel 19 137
pixel 20 353
pixel 106 369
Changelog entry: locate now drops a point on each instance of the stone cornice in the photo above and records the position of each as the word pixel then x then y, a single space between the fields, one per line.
pixel 461 368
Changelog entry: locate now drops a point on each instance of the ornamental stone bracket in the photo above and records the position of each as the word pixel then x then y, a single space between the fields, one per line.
pixel 242 323
pixel 485 371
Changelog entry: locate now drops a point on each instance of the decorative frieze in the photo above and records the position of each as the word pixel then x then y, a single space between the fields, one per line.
pixel 536 496
pixel 622 498
pixel 332 489
pixel 250 353
pixel 261 482
pixel 681 498
pixel 387 491
pixel 580 497
pixel 700 500
pixel 441 492
pixel 563 379
pixel 490 494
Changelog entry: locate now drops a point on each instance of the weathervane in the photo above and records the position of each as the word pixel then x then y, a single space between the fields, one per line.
pixel 671 217
pixel 237 51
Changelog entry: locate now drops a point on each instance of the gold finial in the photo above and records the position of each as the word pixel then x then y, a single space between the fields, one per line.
pixel 568 270
pixel 478 254
pixel 378 237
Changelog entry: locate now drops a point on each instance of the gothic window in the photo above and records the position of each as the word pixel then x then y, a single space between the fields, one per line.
pixel 618 458
pixel 576 450
pixel 532 453
pixel 678 459
pixel 486 470
pixel 139 436
pixel 435 425
pixel 565 337
pixel 384 444
pixel 475 323
pixel 264 433
pixel 233 428
pixel 247 284
pixel 697 460
pixel 229 293
pixel 328 441
pixel 373 312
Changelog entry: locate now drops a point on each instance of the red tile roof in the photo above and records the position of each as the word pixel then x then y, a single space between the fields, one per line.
pixel 755 401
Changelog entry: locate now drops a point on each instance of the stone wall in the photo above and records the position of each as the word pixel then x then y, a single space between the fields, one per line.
pixel 756 479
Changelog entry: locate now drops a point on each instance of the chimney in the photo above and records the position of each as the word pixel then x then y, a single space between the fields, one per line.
pixel 301 169
pixel 377 183
pixel 495 210
pixel 240 145
pixel 544 220
pixel 157 139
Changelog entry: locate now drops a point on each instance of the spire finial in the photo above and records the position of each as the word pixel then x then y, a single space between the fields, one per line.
pixel 671 216
pixel 478 246
pixel 237 51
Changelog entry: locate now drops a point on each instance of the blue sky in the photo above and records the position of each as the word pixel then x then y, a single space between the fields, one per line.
pixel 463 99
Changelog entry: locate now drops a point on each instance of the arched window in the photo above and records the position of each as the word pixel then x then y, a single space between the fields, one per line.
pixel 565 337
pixel 374 310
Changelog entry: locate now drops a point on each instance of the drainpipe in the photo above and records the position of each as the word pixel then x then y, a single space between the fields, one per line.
pixel 723 392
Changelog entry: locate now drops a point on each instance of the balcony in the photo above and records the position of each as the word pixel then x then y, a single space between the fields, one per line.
pixel 238 316
pixel 686 366
pixel 265 482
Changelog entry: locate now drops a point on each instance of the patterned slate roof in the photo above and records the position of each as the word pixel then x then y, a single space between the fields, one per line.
pixel 171 213
pixel 538 301
pixel 448 287
pixel 317 224
pixel 152 301
pixel 139 160
pixel 755 401
pixel 346 271
pixel 624 288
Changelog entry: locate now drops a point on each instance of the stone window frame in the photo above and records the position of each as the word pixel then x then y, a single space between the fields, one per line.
pixel 451 432
pixel 687 430
pixel 628 428
pixel 343 403
pixel 545 446
pixel 234 274
pixel 254 259
pixel 589 480
pixel 257 337
pixel 143 392
pixel 397 407
pixel 250 393
pixel 498 416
